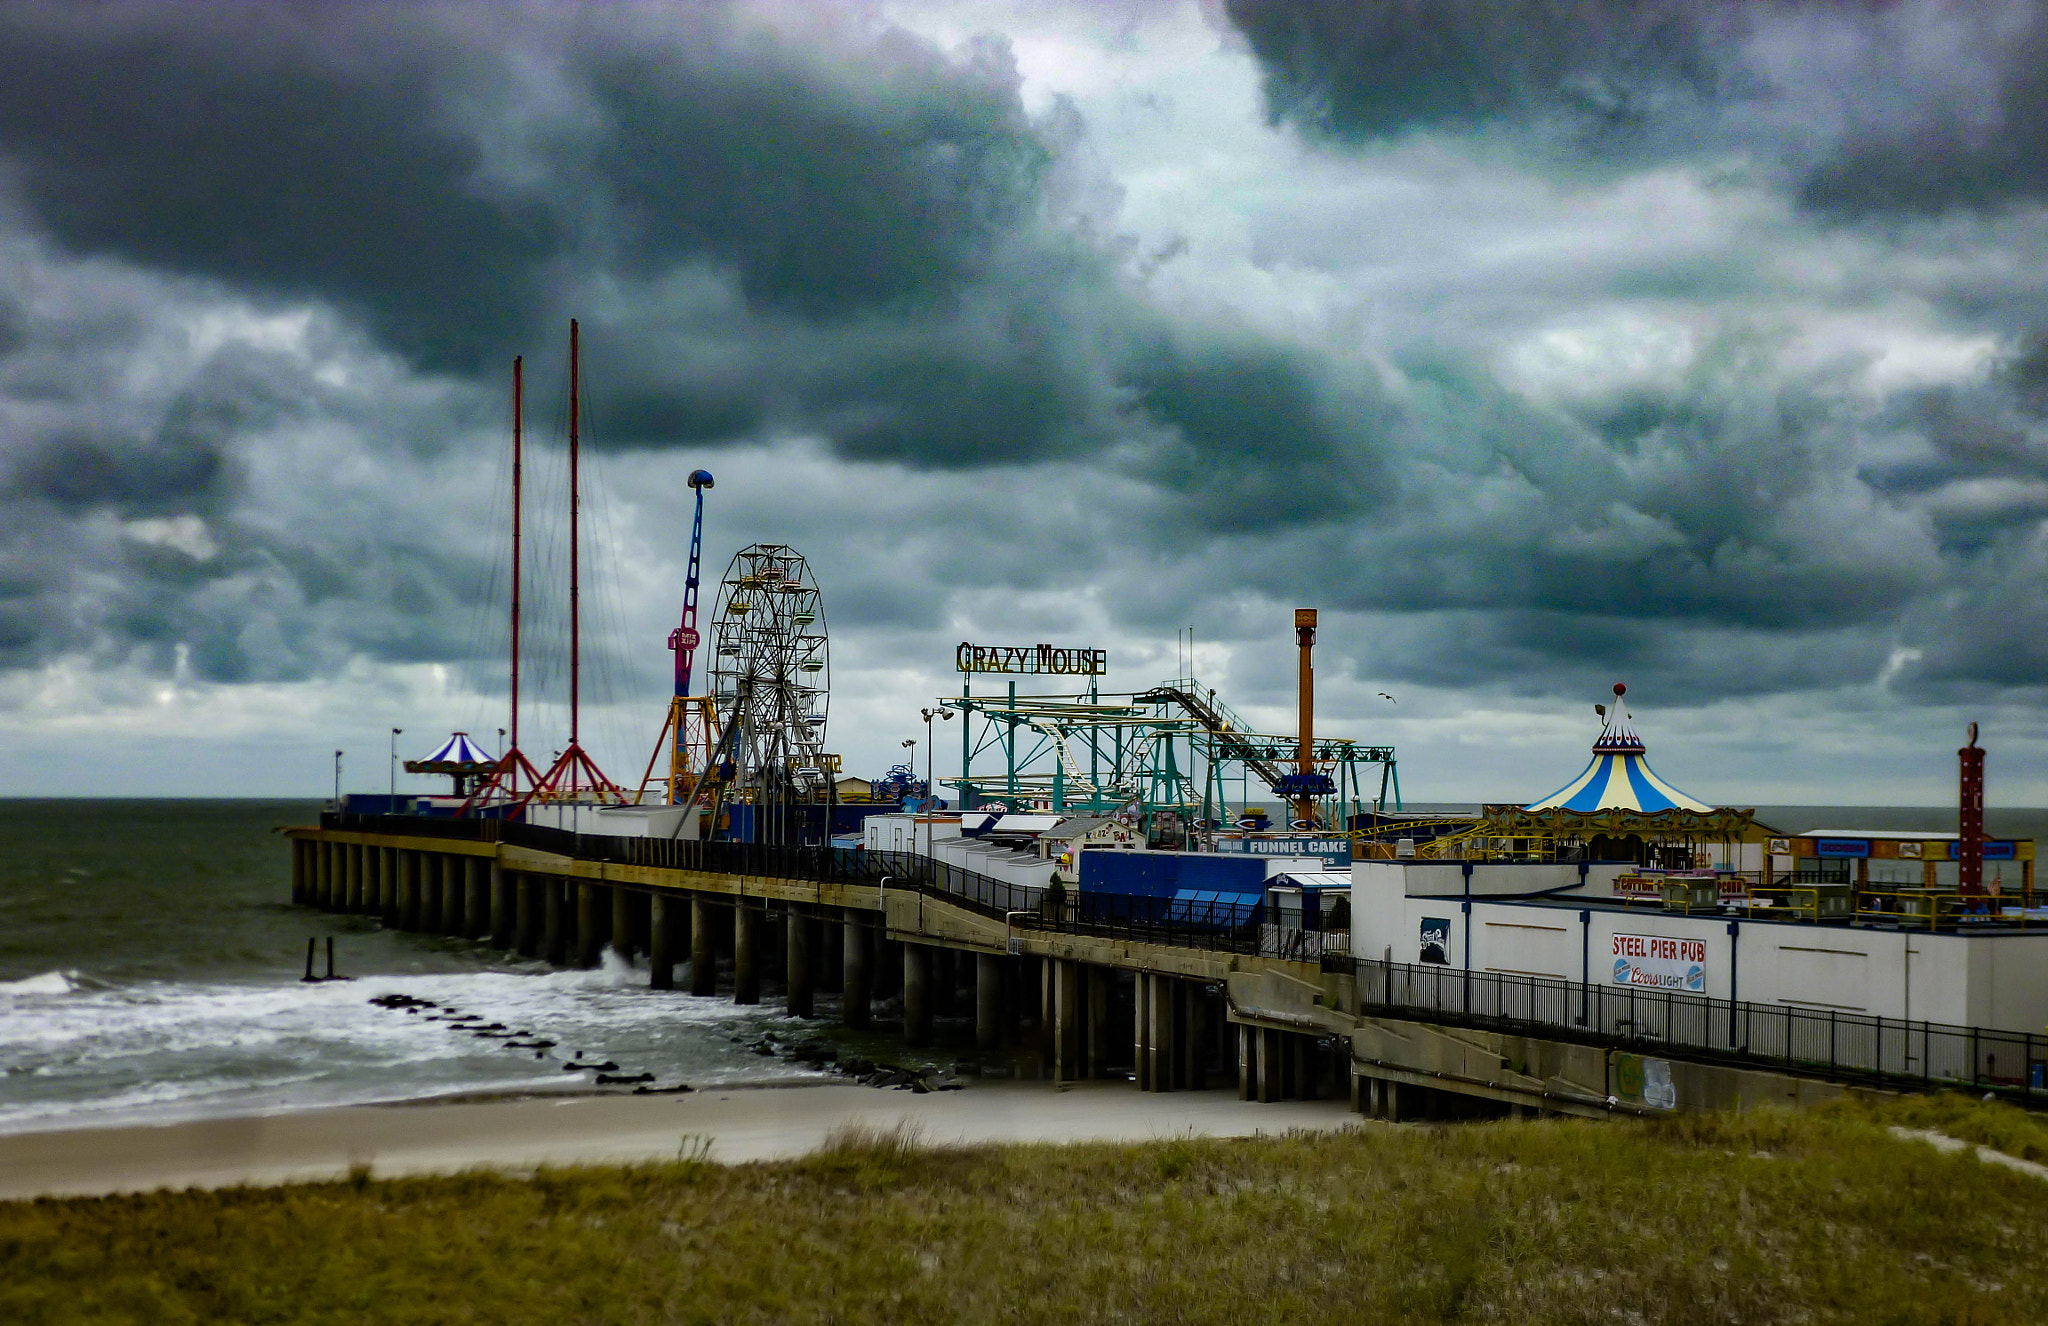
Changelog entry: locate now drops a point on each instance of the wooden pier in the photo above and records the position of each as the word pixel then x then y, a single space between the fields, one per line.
pixel 1069 1000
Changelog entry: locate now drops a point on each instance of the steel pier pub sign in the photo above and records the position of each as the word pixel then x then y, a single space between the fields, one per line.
pixel 1050 659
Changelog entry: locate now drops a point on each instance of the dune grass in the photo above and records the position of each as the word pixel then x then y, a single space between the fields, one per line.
pixel 1767 1217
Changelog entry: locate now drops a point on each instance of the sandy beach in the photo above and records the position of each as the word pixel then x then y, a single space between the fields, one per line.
pixel 517 1136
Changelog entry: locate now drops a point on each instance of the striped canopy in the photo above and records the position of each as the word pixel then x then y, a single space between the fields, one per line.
pixel 1619 778
pixel 458 753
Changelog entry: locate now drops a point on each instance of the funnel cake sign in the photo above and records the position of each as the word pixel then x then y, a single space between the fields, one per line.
pixel 1050 659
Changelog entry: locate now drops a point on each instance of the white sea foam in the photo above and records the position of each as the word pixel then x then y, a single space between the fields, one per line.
pixel 47 983
pixel 155 1050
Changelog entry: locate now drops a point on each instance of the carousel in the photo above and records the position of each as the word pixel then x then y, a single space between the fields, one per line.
pixel 1618 809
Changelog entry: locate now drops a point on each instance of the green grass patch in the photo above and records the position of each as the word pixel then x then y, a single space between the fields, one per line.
pixel 1765 1217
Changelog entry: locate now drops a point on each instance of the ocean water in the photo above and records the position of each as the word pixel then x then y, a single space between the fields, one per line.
pixel 149 965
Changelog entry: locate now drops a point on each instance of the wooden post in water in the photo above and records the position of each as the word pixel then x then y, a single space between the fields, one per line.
pixel 622 922
pixel 527 905
pixel 746 975
pixel 431 902
pixel 798 976
pixel 408 889
pixel 703 954
pixel 661 961
pixel 591 907
pixel 555 919
pixel 854 966
pixel 476 904
pixel 504 886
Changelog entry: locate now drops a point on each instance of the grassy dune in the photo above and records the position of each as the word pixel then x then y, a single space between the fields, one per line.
pixel 1770 1217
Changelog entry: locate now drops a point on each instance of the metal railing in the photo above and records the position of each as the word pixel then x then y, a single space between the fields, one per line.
pixel 1851 1045
pixel 1839 1044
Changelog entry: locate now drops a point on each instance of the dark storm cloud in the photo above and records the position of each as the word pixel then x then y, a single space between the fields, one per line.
pixel 1889 106
pixel 1368 71
pixel 401 163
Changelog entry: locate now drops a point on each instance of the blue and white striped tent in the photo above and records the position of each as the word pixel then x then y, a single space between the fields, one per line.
pixel 456 755
pixel 1619 778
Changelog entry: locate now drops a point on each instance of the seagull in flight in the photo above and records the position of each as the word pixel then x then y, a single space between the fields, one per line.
pixel 1388 698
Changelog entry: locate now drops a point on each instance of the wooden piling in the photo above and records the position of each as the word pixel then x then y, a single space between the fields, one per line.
pixel 746 975
pixel 661 962
pixel 703 953
pixel 988 1001
pixel 854 1010
pixel 917 994
pixel 504 886
pixel 799 979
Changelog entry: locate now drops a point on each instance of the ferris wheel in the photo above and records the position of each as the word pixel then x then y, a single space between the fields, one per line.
pixel 770 670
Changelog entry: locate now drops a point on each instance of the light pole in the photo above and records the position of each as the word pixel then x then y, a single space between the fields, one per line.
pixel 911 746
pixel 929 797
pixel 391 800
pixel 337 780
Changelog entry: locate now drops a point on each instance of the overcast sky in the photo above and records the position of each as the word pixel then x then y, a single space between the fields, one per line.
pixel 1540 344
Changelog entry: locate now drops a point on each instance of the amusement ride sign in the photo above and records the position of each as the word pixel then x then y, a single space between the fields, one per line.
pixel 1032 659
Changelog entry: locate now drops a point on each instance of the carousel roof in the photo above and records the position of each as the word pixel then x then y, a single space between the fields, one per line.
pixel 458 754
pixel 1619 777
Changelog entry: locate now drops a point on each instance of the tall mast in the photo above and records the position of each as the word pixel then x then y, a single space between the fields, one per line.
pixel 518 408
pixel 575 619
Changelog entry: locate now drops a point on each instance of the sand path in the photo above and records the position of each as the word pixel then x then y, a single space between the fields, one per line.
pixel 518 1135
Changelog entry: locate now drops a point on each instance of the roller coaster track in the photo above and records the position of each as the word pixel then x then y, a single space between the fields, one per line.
pixel 1225 734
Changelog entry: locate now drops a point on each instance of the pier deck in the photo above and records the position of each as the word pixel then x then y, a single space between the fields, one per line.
pixel 1078 997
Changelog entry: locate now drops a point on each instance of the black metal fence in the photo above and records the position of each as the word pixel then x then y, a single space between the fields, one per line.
pixel 1839 1044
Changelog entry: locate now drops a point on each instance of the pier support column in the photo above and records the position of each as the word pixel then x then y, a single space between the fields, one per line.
pixel 455 895
pixel 504 886
pixel 323 875
pixel 796 958
pixel 298 872
pixel 1066 1019
pixel 988 1001
pixel 831 953
pixel 556 920
pixel 854 967
pixel 1267 1070
pixel 703 955
pixel 746 972
pixel 593 913
pixel 526 914
pixel 1160 1042
pixel 476 902
pixel 1097 1000
pixel 408 889
pixel 917 995
pixel 430 892
pixel 661 959
pixel 1194 1040
pixel 388 887
pixel 622 923
pixel 354 902
pixel 1141 1030
pixel 1247 1063
pixel 373 881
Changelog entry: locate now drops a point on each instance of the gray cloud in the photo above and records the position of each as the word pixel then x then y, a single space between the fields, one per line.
pixel 1893 106
pixel 1574 402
